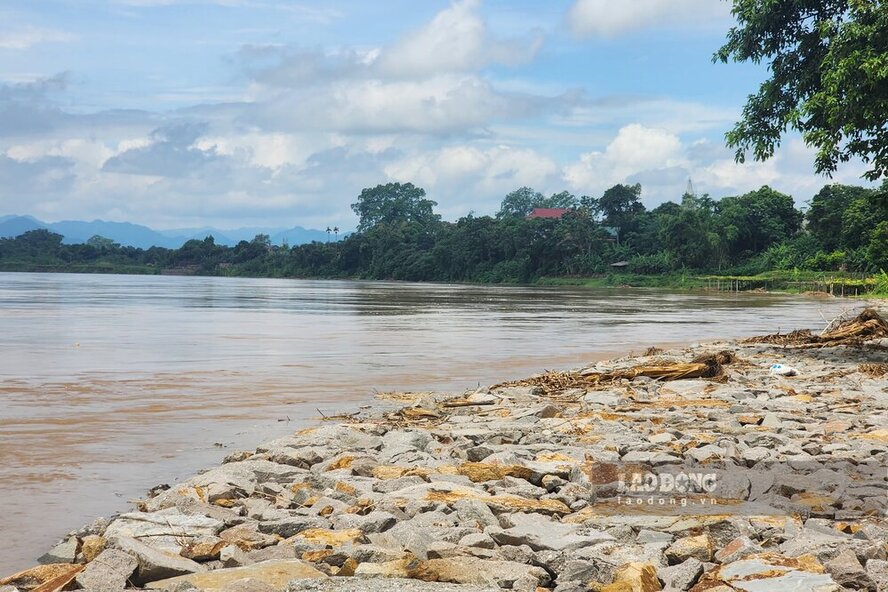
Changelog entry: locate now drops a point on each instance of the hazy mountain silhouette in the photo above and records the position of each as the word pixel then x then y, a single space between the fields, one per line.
pixel 136 235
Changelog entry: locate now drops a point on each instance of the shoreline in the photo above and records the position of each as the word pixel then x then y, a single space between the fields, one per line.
pixel 699 283
pixel 526 485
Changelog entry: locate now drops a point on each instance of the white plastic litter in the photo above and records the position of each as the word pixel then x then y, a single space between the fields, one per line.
pixel 783 370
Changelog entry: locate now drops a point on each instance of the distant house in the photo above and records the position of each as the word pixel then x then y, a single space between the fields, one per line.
pixel 555 213
pixel 613 234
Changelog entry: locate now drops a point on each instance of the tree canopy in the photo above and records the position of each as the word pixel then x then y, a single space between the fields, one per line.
pixel 393 203
pixel 522 201
pixel 828 63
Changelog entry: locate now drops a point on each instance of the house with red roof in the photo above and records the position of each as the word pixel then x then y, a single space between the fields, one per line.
pixel 554 213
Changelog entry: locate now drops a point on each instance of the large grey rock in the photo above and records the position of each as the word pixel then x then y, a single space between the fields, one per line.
pixel 234 556
pixel 475 513
pixel 737 549
pixel 480 540
pixel 154 564
pixel 462 570
pixel 375 521
pixel 581 570
pixel 762 575
pixel 168 529
pixel 109 572
pixel 825 546
pixel 303 458
pixel 847 571
pixel 289 524
pixel 405 536
pixel 538 532
pixel 399 442
pixel 681 576
pixel 64 552
pixel 606 398
pixel 877 570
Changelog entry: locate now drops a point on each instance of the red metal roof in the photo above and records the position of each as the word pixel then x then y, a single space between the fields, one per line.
pixel 547 213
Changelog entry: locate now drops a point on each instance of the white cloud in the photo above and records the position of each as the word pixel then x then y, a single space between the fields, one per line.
pixel 267 150
pixel 27 37
pixel 662 163
pixel 444 104
pixel 634 149
pixel 456 40
pixel 492 168
pixel 605 18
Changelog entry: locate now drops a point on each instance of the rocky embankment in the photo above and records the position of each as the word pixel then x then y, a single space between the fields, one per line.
pixel 677 470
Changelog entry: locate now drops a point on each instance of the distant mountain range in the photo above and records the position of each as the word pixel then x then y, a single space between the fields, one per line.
pixel 136 235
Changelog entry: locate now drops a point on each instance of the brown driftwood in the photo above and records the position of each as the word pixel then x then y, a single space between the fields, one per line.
pixel 866 326
pixel 44 578
pixel 705 366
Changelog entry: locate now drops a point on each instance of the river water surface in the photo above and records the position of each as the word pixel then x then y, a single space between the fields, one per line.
pixel 112 384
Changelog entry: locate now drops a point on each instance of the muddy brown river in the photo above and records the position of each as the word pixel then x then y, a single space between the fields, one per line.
pixel 112 384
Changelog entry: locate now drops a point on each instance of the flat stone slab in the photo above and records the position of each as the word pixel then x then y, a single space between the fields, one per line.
pixel 275 573
pixel 376 585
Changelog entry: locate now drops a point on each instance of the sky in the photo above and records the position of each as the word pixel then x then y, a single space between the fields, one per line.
pixel 185 113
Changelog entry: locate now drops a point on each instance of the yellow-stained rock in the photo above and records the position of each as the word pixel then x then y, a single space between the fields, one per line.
pixel 480 472
pixel 818 503
pixel 333 538
pixel 343 462
pixel 877 436
pixel 698 547
pixel 419 413
pixel 553 457
pixel 348 568
pixel 91 545
pixel 206 549
pixel 387 569
pixel 502 502
pixel 386 472
pixel 345 488
pixel 750 419
pixel 638 576
pixel 276 573
pixel 247 537
pixel 318 555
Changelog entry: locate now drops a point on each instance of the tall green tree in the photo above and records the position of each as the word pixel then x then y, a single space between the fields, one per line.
pixel 519 203
pixel 824 216
pixel 620 205
pixel 828 63
pixel 393 203
pixel 565 199
pixel 756 220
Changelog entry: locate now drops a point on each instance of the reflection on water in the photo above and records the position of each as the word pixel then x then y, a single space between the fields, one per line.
pixel 111 384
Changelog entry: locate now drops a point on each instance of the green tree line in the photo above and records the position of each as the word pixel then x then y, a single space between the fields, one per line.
pixel 401 237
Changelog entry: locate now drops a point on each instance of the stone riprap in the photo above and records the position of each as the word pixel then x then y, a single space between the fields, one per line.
pixel 746 481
